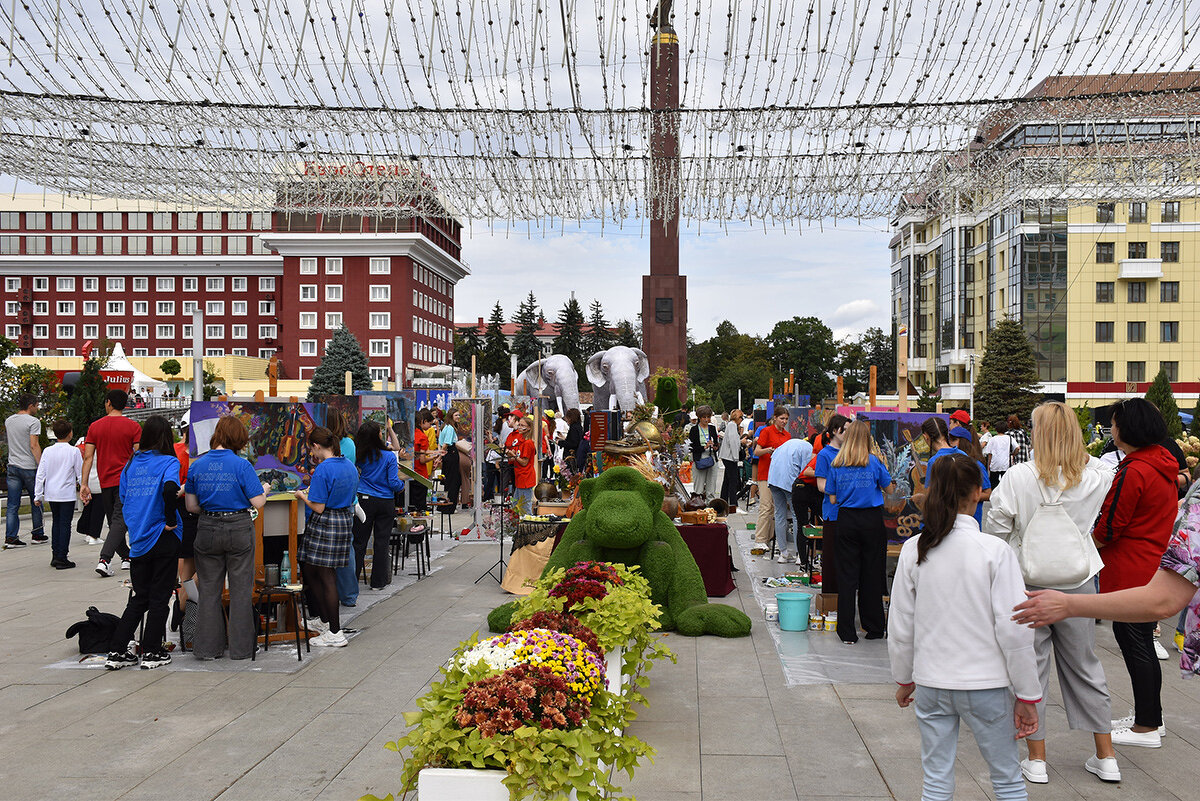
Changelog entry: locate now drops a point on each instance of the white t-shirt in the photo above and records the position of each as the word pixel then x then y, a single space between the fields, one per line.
pixel 999 447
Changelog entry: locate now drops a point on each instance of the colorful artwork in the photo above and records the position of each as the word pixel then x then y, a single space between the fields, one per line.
pixel 397 406
pixel 278 444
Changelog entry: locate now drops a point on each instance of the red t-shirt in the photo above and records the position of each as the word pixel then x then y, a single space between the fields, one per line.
pixel 771 437
pixel 185 460
pixel 114 437
pixel 420 445
pixel 525 477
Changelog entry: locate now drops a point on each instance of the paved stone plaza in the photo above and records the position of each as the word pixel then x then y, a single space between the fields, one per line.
pixel 724 722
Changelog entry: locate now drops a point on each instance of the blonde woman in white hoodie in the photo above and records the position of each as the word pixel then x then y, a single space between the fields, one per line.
pixel 1061 464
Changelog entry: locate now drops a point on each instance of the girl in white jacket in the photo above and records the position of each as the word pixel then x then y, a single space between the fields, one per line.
pixel 952 642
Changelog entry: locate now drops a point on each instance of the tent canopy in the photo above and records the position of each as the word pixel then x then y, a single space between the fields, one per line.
pixel 118 361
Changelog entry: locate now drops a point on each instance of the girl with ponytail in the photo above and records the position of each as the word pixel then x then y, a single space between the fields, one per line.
pixel 953 645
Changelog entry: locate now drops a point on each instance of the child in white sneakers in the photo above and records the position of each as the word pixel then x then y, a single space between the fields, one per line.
pixel 57 484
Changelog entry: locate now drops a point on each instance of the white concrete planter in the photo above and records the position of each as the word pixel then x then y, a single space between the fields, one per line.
pixel 464 784
pixel 613 661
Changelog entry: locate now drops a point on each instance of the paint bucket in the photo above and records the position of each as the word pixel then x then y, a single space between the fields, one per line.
pixel 771 613
pixel 816 622
pixel 831 621
pixel 793 610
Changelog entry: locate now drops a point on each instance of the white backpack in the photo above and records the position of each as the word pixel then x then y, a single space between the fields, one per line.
pixel 1052 551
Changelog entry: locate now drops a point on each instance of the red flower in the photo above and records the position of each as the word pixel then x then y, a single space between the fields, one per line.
pixel 522 695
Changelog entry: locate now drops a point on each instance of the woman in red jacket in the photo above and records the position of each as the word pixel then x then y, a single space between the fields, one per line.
pixel 1132 532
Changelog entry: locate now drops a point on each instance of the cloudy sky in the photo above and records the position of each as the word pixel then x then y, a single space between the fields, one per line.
pixel 749 276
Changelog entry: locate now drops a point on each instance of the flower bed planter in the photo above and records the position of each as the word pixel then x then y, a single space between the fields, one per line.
pixel 613 661
pixel 453 784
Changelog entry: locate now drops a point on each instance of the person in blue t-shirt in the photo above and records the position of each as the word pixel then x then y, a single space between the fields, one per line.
pixel 149 492
pixel 835 431
pixel 329 532
pixel 221 488
pixel 956 440
pixel 855 484
pixel 347 574
pixel 378 483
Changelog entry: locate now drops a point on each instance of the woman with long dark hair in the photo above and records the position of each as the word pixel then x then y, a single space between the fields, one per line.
pixel 329 532
pixel 149 492
pixel 451 471
pixel 378 482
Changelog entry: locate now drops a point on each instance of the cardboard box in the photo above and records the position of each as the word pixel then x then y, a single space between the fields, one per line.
pixel 826 603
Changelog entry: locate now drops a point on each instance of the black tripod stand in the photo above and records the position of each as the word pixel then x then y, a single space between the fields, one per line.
pixel 500 563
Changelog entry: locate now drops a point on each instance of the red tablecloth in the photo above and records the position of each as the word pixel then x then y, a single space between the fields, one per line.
pixel 709 545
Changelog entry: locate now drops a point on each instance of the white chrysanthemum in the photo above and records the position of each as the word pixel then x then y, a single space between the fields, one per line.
pixel 495 655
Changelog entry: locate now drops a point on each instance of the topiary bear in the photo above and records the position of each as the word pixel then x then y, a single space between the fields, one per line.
pixel 622 521
pixel 666 396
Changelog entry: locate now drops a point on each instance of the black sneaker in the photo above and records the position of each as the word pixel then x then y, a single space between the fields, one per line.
pixel 117 660
pixel 61 564
pixel 14 544
pixel 156 659
pixel 39 539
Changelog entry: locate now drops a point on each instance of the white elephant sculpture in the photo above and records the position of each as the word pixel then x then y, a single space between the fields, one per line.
pixel 618 374
pixel 553 377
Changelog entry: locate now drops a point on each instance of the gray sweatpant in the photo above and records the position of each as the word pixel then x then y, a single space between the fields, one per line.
pixel 1080 675
pixel 225 547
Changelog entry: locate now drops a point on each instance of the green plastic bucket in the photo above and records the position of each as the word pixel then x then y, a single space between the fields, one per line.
pixel 793 610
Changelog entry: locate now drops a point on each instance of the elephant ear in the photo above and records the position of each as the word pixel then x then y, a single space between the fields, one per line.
pixel 643 365
pixel 525 384
pixel 594 373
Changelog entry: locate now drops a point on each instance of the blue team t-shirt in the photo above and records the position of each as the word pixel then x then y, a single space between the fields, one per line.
pixel 984 480
pixel 858 487
pixel 380 478
pixel 222 481
pixel 334 483
pixel 142 483
pixel 348 448
pixel 822 469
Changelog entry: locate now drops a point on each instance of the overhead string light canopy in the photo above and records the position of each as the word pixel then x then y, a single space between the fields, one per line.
pixel 506 110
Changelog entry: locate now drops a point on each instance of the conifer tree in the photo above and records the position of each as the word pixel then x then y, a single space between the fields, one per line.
pixel 467 343
pixel 597 337
pixel 569 330
pixel 525 342
pixel 87 398
pixel 627 336
pixel 1160 395
pixel 495 345
pixel 344 353
pixel 1007 379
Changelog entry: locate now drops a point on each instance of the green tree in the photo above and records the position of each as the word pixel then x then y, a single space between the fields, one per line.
pixel 1160 395
pixel 344 353
pixel 525 342
pixel 804 344
pixel 928 397
pixel 1006 382
pixel 752 378
pixel 210 377
pixel 853 366
pixel 597 337
pixel 569 334
pixel 171 367
pixel 880 350
pixel 495 345
pixel 87 398
pixel 467 343
pixel 627 336
pixel 1194 429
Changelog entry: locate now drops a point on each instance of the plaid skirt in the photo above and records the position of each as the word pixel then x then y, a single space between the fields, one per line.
pixel 327 538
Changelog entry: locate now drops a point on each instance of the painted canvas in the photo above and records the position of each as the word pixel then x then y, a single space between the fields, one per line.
pixel 397 406
pixel 278 445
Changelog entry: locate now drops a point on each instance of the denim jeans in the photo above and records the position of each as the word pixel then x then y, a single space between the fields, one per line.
pixel 20 480
pixel 989 713
pixel 347 581
pixel 785 538
pixel 526 498
pixel 61 515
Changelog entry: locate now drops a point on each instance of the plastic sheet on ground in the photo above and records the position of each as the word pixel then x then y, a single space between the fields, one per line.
pixel 812 657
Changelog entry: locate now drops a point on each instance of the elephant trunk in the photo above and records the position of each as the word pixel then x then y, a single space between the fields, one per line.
pixel 570 397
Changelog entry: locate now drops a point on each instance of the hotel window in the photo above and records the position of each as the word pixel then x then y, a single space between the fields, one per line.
pixel 60 245
pixel 214 351
pixel 187 220
pixel 136 245
pixel 381 266
pixel 186 352
pixel 210 245
pixel 1171 369
pixel 214 307
pixel 238 308
pixel 237 284
pixel 86 220
pixel 91 331
pixel 12 331
pixel 239 331
pixel 1168 292
pixel 165 284
pixel 41 331
pixel 266 353
pixel 333 320
pixel 308 292
pixel 12 308
pixel 1137 292
pixel 164 331
pixel 308 319
pixel 214 331
pixel 381 292
pixel 141 332
pixel 381 320
pixel 1137 212
pixel 12 284
pixel 41 307
pixel 379 374
pixel 115 284
pixel 266 307
pixel 214 284
pixel 333 293
pixel 1169 251
pixel 115 307
pixel 35 246
pixel 186 245
pixel 1105 212
pixel 333 266
pixel 111 245
pixel 86 245
pixel 141 351
pixel 10 220
pixel 91 285
pixel 141 284
pixel 1135 371
pixel 1169 331
pixel 35 220
pixel 136 221
pixel 115 331
pixel 1137 250
pixel 211 220
pixel 237 220
pixel 266 284
pixel 239 352
pixel 1170 211
pixel 91 307
pixel 1104 372
pixel 308 266
pixel 65 284
pixel 235 245
pixel 10 245
pixel 66 307
pixel 40 351
pixel 266 332
pixel 141 307
pixel 66 332
pixel 191 284
pixel 1136 331
pixel 308 347
pixel 162 245
pixel 260 221
pixel 381 347
pixel 165 307
pixel 164 352
pixel 162 221
pixel 112 221
pixel 258 247
pixel 60 220
pixel 190 306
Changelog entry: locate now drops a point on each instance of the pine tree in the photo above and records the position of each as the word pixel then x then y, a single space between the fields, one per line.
pixel 495 345
pixel 569 330
pixel 344 353
pixel 467 343
pixel 525 342
pixel 1007 380
pixel 87 398
pixel 1194 429
pixel 627 336
pixel 597 337
pixel 1160 395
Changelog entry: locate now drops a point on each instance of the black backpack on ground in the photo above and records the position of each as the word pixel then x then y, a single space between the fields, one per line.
pixel 95 633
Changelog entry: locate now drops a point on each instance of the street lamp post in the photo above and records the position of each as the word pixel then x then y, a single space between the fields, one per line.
pixel 971 362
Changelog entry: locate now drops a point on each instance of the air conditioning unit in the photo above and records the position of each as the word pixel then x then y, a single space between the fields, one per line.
pixel 25 296
pixel 25 341
pixel 26 317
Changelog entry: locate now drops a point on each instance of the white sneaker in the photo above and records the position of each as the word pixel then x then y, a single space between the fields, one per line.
pixel 91 540
pixel 1034 771
pixel 1128 721
pixel 103 568
pixel 783 558
pixel 124 564
pixel 317 625
pixel 330 640
pixel 799 561
pixel 1144 739
pixel 1160 652
pixel 1105 768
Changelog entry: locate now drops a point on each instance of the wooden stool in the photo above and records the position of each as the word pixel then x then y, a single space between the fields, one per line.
pixel 291 598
